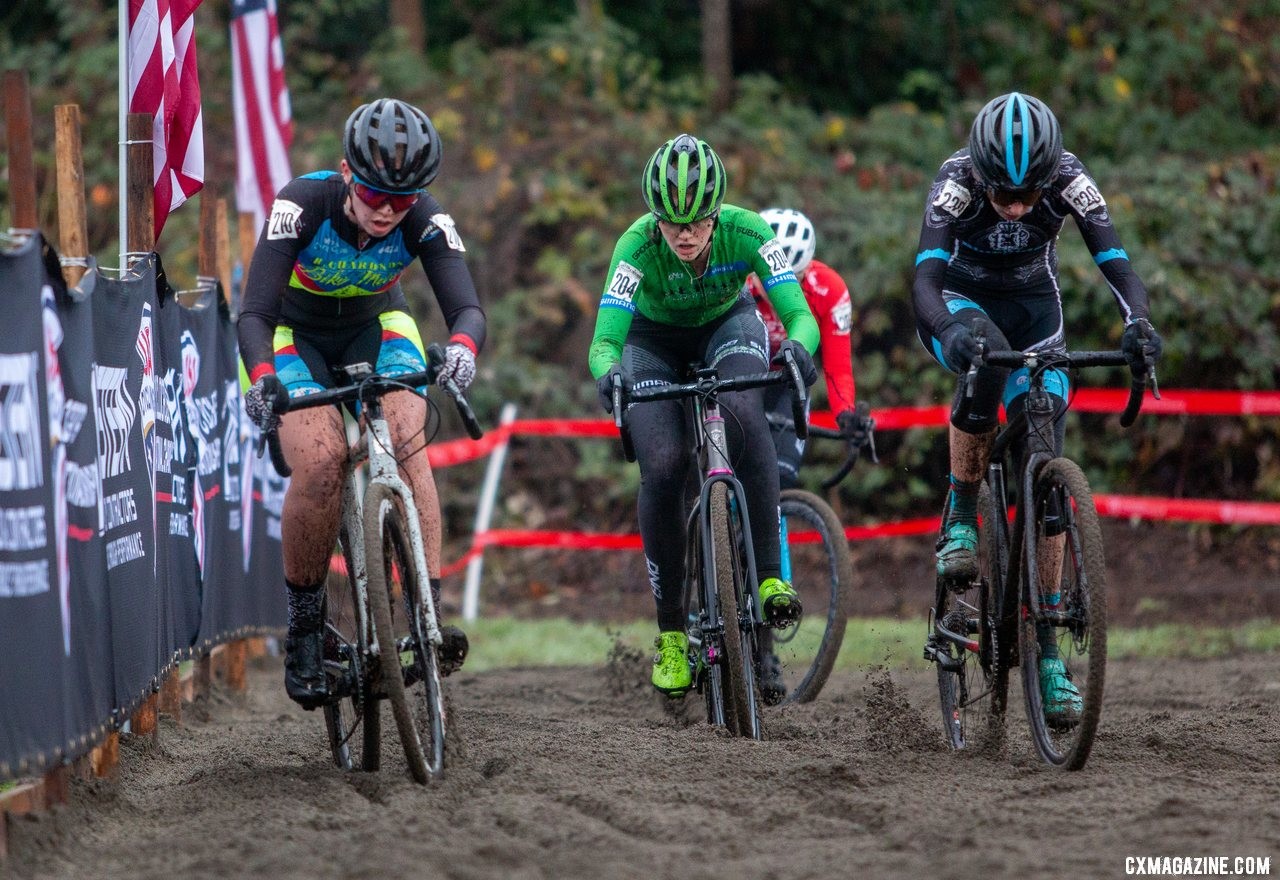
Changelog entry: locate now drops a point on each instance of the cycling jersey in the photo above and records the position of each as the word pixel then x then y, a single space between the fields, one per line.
pixel 310 271
pixel 966 247
pixel 828 299
pixel 647 277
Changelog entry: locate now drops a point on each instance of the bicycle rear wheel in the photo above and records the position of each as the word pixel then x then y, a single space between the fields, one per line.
pixel 738 678
pixel 822 573
pixel 1064 521
pixel 969 641
pixel 353 720
pixel 394 587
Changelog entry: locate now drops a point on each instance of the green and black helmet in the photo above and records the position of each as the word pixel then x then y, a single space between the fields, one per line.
pixel 684 180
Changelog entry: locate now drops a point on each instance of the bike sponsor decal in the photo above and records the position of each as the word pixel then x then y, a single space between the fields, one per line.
pixel 622 287
pixel 1083 196
pixel 773 254
pixel 952 198
pixel 284 220
pixel 445 224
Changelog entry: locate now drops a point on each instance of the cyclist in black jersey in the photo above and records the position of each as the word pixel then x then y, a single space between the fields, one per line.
pixel 323 292
pixel 987 268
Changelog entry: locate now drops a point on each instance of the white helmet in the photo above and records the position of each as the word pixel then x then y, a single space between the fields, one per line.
pixel 795 234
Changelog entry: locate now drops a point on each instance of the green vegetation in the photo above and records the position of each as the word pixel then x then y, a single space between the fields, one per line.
pixel 844 110
pixel 505 642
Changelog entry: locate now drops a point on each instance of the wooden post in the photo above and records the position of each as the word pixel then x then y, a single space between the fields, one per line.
pixel 57 786
pixel 143 720
pixel 207 254
pixel 140 237
pixel 248 240
pixel 223 236
pixel 22 158
pixel 235 665
pixel 171 695
pixel 203 681
pixel 73 230
pixel 106 757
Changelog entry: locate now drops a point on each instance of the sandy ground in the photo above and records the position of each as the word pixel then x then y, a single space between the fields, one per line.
pixel 584 773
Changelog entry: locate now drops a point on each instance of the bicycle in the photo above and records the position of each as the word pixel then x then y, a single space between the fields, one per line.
pixel 816 561
pixel 979 629
pixel 382 637
pixel 721 580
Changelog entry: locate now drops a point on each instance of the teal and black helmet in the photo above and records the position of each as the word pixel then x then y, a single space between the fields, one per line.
pixel 684 180
pixel 1015 143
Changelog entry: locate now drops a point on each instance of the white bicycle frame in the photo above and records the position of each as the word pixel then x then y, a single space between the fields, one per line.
pixel 375 444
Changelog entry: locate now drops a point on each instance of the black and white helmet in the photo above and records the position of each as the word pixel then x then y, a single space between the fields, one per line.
pixel 795 234
pixel 392 146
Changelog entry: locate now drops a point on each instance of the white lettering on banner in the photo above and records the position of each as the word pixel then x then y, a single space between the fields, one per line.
pixel 22 528
pixel 82 484
pixel 116 414
pixel 179 524
pixel 21 452
pixel 233 519
pixel 125 549
pixel 273 528
pixel 19 579
pixel 118 510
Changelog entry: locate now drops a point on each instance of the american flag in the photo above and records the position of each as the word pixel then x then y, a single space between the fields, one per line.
pixel 260 100
pixel 163 82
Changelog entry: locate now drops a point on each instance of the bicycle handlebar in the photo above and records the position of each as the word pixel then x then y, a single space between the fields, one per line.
pixel 707 385
pixel 369 388
pixel 1073 359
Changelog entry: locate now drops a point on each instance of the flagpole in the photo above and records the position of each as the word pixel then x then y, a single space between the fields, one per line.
pixel 122 126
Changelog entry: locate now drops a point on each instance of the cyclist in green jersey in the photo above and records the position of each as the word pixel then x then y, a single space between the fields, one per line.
pixel 674 297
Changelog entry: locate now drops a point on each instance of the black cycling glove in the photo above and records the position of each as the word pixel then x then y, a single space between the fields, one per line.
pixel 959 347
pixel 1141 339
pixel 804 360
pixel 604 386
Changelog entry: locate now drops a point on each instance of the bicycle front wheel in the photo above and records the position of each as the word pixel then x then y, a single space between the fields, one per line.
pixel 352 720
pixel 738 678
pixel 405 657
pixel 822 573
pixel 1066 638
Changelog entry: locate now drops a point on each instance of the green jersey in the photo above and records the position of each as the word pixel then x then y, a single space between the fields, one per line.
pixel 646 276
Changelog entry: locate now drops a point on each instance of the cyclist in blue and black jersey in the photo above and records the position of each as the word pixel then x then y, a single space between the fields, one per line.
pixel 987 268
pixel 322 292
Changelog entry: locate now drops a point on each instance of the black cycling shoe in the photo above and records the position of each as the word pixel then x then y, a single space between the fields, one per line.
pixel 304 676
pixel 773 690
pixel 453 649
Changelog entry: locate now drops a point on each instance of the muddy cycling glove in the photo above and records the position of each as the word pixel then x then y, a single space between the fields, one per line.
pixel 261 400
pixel 459 366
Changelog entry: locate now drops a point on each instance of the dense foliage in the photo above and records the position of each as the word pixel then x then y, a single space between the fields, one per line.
pixel 547 120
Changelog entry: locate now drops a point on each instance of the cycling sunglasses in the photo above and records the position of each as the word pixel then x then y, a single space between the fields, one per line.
pixel 1006 197
pixel 376 198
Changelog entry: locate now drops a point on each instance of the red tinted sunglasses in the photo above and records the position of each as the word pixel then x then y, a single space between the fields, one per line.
pixel 376 198
pixel 1006 197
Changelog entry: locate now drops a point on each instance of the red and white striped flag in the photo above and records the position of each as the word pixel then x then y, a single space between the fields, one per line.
pixel 260 100
pixel 163 81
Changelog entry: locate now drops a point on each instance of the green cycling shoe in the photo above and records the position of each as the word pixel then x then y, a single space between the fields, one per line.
pixel 958 552
pixel 779 603
pixel 671 673
pixel 1059 695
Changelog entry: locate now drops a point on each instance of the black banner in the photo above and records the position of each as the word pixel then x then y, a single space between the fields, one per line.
pixel 135 523
pixel 33 637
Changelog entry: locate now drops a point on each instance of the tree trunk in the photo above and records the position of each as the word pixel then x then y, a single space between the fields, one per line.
pixel 407 14
pixel 717 52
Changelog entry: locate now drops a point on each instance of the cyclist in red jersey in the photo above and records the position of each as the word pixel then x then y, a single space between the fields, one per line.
pixel 828 299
